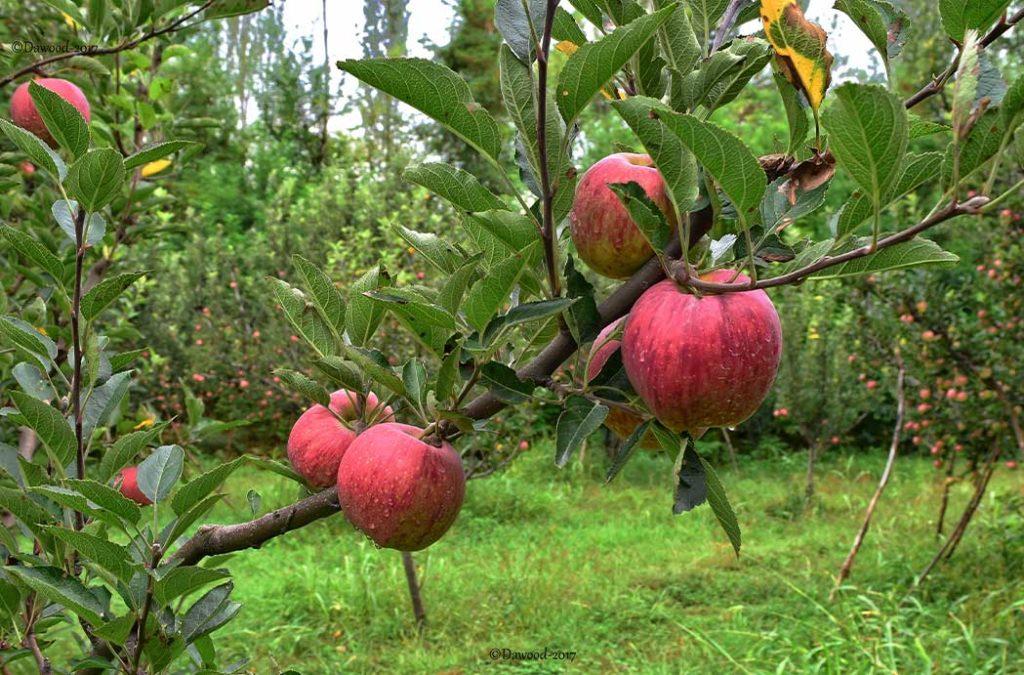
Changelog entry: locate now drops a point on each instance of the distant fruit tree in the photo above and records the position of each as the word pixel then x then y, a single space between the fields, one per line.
pixel 103 543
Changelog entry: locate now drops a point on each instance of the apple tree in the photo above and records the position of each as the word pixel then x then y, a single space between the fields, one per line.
pixel 105 544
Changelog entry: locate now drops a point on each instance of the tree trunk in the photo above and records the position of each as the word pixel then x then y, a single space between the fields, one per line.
pixel 731 448
pixel 812 457
pixel 414 590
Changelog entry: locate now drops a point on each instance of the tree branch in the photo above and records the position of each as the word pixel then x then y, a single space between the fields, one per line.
pixel 175 25
pixel 948 212
pixel 732 12
pixel 938 83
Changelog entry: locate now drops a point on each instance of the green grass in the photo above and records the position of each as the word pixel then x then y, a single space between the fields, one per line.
pixel 542 558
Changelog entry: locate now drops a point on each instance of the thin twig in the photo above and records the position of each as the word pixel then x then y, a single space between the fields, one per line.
pixel 547 208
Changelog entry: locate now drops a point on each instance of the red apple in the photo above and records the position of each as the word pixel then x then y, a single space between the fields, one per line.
pixel 27 168
pixel 1011 464
pixel 605 235
pixel 23 108
pixel 702 362
pixel 621 422
pixel 318 440
pixel 128 483
pixel 399 490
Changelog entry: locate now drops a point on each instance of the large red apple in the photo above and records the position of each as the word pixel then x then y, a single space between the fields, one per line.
pixel 128 483
pixel 399 490
pixel 23 108
pixel 701 362
pixel 318 440
pixel 621 422
pixel 605 235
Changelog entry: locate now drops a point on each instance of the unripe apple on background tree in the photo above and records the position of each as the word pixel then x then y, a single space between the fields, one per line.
pixel 400 491
pixel 621 422
pixel 318 440
pixel 128 483
pixel 605 235
pixel 23 108
pixel 701 362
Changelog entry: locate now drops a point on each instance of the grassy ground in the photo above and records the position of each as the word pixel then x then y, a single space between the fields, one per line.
pixel 547 559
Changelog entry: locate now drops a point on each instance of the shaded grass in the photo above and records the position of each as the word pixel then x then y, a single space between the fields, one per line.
pixel 552 559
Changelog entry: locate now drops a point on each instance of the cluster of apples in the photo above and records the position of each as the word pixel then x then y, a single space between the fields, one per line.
pixel 696 361
pixel 396 486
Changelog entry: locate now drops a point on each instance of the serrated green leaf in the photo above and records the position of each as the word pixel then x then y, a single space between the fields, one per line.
pixel 159 472
pixel 595 63
pixel 62 120
pixel 326 297
pixel 35 252
pixel 580 418
pixel 197 489
pixel 104 401
pixel 720 506
pixel 450 296
pixel 796 112
pixel 625 450
pixel 433 248
pixel 678 40
pixel 414 378
pixel 364 314
pixel 185 580
pixel 309 389
pixel 448 375
pixel 305 318
pixel 487 295
pixel 51 427
pixel 914 253
pixel 221 9
pixel 96 178
pixel 723 155
pixel 454 185
pixel 108 555
pixel 776 209
pixel 105 292
pixel 153 152
pixel 125 449
pixel 412 307
pixel 882 22
pixel 868 133
pixel 374 365
pixel 520 23
pixel 36 149
pixel 504 383
pixel 95 225
pixel 209 613
pixel 436 91
pixel 68 592
pixel 959 16
pixel 107 498
pixel 645 214
pixel 526 313
pixel 25 337
pixel 919 169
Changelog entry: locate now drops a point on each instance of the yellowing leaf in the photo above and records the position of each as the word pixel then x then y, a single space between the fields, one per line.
pixel 72 24
pixel 155 167
pixel 799 48
pixel 145 424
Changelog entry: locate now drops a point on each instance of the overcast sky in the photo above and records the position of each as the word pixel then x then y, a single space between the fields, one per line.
pixel 430 20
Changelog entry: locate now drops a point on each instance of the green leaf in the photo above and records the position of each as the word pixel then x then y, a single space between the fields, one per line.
pixel 96 178
pixel 450 296
pixel 590 10
pixel 25 337
pixel 341 372
pixel 104 401
pixel 326 297
pixel 526 313
pixel 51 427
pixel 37 151
pixel 305 318
pixel 411 306
pixel 678 40
pixel 504 383
pixel 920 128
pixel 520 30
pixel 965 86
pixel 35 252
pixel 33 382
pixel 776 209
pixel 487 295
pixel 108 555
pixel 448 375
pixel 433 248
pixel 376 367
pixel 180 525
pixel 625 451
pixel 458 187
pixel 919 169
pixel 595 63
pixel 980 146
pixel 116 631
pixel 364 314
pixel 107 498
pixel 882 22
pixel 125 449
pixel 197 489
pixel 184 580
pixel 959 16
pixel 437 92
pixel 95 225
pixel 105 292
pixel 796 112
pixel 209 613
pixel 32 515
pixel 868 133
pixel 64 122
pixel 720 506
pixel 645 214
pixel 221 9
pixel 580 418
pixel 1012 108
pixel 414 378
pixel 159 472
pixel 754 55
pixel 675 162
pixel 914 253
pixel 504 233
pixel 309 389
pixel 153 152
pixel 723 155
pixel 706 14
pixel 52 584
pixel 565 27
pixel 583 318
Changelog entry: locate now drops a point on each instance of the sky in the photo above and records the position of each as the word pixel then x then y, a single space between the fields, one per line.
pixel 430 20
